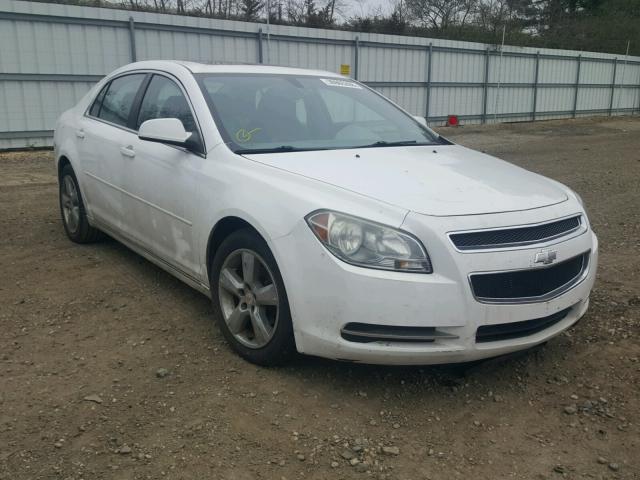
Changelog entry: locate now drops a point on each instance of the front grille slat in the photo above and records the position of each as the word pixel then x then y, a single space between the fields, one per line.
pixel 528 285
pixel 509 331
pixel 510 237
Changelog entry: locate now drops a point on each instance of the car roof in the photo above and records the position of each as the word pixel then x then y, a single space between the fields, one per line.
pixel 195 67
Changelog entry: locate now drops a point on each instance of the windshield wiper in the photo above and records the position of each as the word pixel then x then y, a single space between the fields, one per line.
pixel 281 148
pixel 399 143
pixel 291 148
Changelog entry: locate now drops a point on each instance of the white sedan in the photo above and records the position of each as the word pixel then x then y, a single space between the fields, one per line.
pixel 322 218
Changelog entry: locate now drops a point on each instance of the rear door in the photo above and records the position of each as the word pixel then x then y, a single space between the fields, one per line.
pixel 161 180
pixel 100 136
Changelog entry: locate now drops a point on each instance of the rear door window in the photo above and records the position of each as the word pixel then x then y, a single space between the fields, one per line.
pixel 118 100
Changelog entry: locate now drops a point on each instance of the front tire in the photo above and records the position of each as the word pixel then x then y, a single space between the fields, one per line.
pixel 249 300
pixel 72 210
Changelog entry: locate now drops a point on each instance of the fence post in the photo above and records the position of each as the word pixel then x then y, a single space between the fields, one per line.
pixel 260 54
pixel 535 87
pixel 485 87
pixel 132 39
pixel 356 58
pixel 613 84
pixel 575 92
pixel 430 52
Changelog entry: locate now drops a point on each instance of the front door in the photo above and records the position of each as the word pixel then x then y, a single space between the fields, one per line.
pixel 161 182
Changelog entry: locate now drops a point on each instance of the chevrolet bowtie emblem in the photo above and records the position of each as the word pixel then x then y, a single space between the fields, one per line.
pixel 546 257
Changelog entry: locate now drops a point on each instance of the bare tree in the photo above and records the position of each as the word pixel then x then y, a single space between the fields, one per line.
pixel 441 14
pixel 250 9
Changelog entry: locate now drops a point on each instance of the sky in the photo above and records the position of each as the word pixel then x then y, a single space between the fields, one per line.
pixel 365 7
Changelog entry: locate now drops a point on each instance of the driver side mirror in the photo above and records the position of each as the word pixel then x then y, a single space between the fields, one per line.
pixel 169 131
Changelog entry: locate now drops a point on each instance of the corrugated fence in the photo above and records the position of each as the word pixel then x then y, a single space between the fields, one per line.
pixel 51 54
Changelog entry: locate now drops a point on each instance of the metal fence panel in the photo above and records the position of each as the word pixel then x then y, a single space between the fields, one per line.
pixel 35 106
pixel 392 65
pixel 511 69
pixel 627 74
pixel 595 72
pixel 558 71
pixel 555 99
pixel 52 53
pixel 197 47
pixel 37 47
pixel 594 98
pixel 409 98
pixel 624 97
pixel 457 67
pixel 308 55
pixel 516 100
pixel 456 100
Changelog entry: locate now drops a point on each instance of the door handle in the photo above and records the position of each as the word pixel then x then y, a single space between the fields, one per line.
pixel 80 133
pixel 127 151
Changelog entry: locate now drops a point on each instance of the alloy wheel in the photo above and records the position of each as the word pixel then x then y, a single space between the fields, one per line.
pixel 70 202
pixel 248 298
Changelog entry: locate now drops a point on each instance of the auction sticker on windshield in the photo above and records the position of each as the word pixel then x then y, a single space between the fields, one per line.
pixel 335 82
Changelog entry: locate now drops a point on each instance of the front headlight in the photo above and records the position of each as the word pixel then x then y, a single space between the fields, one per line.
pixel 368 244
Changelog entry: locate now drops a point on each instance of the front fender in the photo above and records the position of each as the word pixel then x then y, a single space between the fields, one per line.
pixel 273 201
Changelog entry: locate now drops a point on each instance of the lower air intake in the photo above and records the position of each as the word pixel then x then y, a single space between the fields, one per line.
pixel 367 332
pixel 509 331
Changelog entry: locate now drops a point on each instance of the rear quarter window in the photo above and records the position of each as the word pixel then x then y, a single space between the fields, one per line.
pixel 97 103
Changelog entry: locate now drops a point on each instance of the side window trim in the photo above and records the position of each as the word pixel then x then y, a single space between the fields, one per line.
pixel 103 94
pixel 97 100
pixel 137 102
pixel 87 112
pixel 101 98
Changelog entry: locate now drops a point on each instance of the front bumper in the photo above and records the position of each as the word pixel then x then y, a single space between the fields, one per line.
pixel 326 293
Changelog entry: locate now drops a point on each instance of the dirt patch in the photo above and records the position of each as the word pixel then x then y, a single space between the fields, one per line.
pixel 110 368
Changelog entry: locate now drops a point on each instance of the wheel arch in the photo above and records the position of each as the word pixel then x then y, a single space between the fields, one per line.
pixel 63 160
pixel 221 230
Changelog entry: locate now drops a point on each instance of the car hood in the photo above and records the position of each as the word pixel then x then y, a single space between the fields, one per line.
pixel 440 180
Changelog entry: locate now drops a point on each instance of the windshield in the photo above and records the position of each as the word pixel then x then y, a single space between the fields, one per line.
pixel 260 113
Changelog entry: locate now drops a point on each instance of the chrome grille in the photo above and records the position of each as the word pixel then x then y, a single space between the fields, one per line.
pixel 510 237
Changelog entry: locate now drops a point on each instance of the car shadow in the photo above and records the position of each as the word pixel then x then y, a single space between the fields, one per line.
pixel 446 375
pixel 344 375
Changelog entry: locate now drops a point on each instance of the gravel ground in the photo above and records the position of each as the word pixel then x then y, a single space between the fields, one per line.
pixel 110 368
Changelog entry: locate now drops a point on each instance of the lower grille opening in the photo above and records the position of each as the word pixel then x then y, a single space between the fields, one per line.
pixel 508 331
pixel 535 284
pixel 367 332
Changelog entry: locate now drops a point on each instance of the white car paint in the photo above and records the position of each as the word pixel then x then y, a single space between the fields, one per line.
pixel 164 203
pixel 435 181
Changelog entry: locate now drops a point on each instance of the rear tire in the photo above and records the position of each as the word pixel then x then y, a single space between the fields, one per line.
pixel 250 303
pixel 72 210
